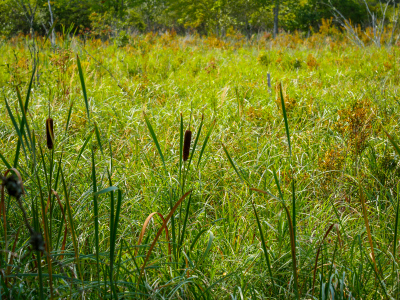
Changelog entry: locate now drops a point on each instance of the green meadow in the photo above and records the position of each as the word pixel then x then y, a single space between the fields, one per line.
pixel 288 191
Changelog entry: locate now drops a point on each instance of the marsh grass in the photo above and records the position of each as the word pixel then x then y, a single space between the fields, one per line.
pixel 264 201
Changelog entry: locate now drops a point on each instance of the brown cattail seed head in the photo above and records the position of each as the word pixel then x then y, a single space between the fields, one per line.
pixel 13 186
pixel 49 133
pixel 186 145
pixel 37 241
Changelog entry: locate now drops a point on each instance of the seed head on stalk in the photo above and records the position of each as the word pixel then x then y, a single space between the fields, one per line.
pixel 50 133
pixel 186 145
pixel 14 187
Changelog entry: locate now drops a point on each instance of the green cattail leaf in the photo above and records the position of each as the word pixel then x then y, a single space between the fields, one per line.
pixel 24 121
pixel 84 146
pixel 205 143
pixel 69 117
pixel 5 161
pixel 266 254
pixel 396 226
pixel 96 214
pixel 106 190
pixel 16 127
pixel 185 221
pixel 286 120
pixel 292 242
pixel 24 109
pixel 233 164
pixel 83 86
pixel 277 184
pixel 98 138
pixel 71 225
pixel 28 94
pixel 180 147
pixel 396 147
pixel 195 142
pixel 154 137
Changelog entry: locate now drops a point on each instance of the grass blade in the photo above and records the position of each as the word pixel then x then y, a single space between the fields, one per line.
pixel 83 147
pixel 154 137
pixel 96 215
pixel 263 246
pixel 180 148
pixel 69 116
pixel 106 190
pixel 83 86
pixel 292 243
pixel 316 258
pixel 233 164
pixel 16 127
pixel 71 225
pixel 205 143
pixel 160 231
pixel 285 119
pixel 144 227
pixel 365 214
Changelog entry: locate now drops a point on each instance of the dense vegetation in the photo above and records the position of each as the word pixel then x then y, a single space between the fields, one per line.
pixel 290 188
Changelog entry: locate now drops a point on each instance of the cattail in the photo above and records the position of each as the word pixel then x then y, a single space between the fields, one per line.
pixel 13 185
pixel 49 133
pixel 186 145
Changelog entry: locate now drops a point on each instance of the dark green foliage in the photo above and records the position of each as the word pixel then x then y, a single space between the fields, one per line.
pixel 104 18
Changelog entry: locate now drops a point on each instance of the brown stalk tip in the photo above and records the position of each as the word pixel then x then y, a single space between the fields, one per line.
pixel 186 145
pixel 49 133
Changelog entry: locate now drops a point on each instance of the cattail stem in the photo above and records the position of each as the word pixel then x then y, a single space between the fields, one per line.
pixel 50 133
pixel 186 145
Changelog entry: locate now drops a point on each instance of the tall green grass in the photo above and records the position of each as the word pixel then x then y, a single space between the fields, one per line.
pixel 272 203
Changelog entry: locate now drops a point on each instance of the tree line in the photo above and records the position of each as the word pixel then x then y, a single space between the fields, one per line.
pixel 219 17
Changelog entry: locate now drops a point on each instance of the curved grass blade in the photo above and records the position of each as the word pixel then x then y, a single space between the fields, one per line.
pixel 160 231
pixel 144 227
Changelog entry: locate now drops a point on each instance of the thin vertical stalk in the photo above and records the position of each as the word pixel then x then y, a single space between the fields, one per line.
pixel 96 215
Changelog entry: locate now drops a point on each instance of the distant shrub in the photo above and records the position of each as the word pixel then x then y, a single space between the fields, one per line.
pixel 355 124
pixel 312 61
